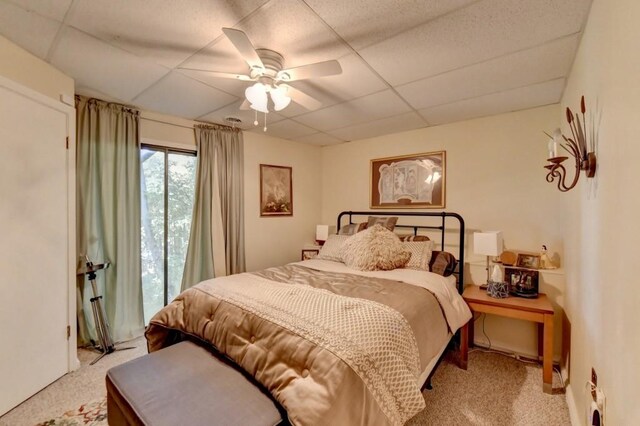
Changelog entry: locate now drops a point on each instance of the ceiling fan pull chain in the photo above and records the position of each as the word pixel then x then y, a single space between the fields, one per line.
pixel 255 121
pixel 265 122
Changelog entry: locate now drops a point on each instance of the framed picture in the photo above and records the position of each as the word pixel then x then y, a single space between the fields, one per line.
pixel 410 181
pixel 309 253
pixel 523 282
pixel 531 261
pixel 276 190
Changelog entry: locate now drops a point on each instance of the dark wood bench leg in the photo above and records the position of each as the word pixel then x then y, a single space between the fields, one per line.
pixel 464 344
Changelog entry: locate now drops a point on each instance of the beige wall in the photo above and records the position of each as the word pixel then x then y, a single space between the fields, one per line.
pixel 272 241
pixel 22 67
pixel 495 180
pixel 269 241
pixel 603 296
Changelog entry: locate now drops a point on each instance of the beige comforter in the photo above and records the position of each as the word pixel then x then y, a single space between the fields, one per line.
pixel 332 348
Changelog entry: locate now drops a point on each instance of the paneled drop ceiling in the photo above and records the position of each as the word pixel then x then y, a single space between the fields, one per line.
pixel 406 63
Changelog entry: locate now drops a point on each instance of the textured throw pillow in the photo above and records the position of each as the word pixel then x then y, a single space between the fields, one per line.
pixel 443 263
pixel 375 249
pixel 411 237
pixel 420 254
pixel 332 248
pixel 388 222
pixel 352 228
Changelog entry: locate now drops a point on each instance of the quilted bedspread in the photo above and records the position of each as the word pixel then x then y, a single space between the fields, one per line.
pixel 331 347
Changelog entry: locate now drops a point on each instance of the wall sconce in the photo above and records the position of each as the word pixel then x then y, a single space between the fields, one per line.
pixel 576 146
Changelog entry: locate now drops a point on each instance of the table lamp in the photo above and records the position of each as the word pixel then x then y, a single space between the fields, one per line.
pixel 322 233
pixel 487 243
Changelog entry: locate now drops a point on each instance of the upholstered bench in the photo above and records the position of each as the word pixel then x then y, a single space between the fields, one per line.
pixel 185 384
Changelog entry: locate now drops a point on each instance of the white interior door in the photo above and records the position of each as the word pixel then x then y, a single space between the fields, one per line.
pixel 34 244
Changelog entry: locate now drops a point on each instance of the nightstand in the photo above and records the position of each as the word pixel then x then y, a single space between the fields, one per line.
pixel 309 251
pixel 538 310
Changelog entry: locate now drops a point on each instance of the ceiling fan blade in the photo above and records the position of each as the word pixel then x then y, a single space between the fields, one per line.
pixel 246 105
pixel 302 98
pixel 241 42
pixel 220 74
pixel 319 69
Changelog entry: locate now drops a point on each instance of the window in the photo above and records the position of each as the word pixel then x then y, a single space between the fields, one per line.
pixel 167 191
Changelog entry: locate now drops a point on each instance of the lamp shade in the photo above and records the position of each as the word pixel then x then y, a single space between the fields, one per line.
pixel 257 96
pixel 487 243
pixel 322 232
pixel 280 98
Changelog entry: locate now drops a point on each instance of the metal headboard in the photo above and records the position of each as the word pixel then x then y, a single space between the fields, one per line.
pixel 441 228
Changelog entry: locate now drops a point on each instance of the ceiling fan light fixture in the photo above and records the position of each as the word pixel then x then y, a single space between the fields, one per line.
pixel 257 96
pixel 280 98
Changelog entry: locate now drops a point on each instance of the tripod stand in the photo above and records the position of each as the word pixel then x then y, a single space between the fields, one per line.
pixel 100 318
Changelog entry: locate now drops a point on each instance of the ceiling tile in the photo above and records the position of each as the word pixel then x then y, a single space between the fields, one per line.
pixel 98 65
pixel 368 108
pixel 29 30
pixel 362 24
pixel 286 26
pixel 286 129
pixel 321 139
pixel 54 9
pixel 384 126
pixel 356 80
pixel 247 116
pixel 512 100
pixel 228 85
pixel 167 32
pixel 179 95
pixel 542 63
pixel 476 33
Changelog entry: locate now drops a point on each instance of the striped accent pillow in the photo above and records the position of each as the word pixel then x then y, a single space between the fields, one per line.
pixel 411 237
pixel 352 228
pixel 388 222
pixel 420 254
pixel 332 248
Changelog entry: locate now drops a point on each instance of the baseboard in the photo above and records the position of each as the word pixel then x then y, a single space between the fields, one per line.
pixel 571 403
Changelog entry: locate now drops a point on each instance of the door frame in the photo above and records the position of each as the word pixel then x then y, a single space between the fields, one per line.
pixel 70 113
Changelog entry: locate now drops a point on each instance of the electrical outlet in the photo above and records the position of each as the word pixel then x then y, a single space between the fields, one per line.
pixel 594 377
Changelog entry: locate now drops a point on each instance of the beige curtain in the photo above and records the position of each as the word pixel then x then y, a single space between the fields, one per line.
pixel 108 213
pixel 216 242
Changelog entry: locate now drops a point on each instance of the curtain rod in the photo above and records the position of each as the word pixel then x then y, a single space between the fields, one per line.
pixel 166 122
pixel 198 123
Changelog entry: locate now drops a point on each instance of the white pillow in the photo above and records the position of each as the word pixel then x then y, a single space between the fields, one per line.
pixel 332 248
pixel 375 249
pixel 420 254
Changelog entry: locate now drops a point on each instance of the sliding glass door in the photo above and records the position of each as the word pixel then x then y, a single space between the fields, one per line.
pixel 167 192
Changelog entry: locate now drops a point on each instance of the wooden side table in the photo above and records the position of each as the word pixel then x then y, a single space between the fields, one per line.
pixel 537 310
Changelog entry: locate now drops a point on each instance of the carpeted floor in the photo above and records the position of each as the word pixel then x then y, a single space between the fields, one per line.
pixel 495 390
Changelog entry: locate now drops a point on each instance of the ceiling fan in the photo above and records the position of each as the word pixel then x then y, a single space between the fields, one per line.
pixel 266 69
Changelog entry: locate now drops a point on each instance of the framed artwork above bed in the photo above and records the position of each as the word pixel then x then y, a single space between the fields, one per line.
pixel 276 190
pixel 409 181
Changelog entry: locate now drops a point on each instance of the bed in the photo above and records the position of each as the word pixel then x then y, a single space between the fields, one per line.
pixel 332 344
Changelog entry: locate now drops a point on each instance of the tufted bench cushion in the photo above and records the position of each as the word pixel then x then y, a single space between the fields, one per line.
pixel 186 384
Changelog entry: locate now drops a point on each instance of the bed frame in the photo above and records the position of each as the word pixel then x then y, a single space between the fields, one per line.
pixel 435 217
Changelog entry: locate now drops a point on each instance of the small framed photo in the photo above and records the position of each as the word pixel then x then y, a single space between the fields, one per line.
pixel 530 261
pixel 523 282
pixel 276 190
pixel 309 253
